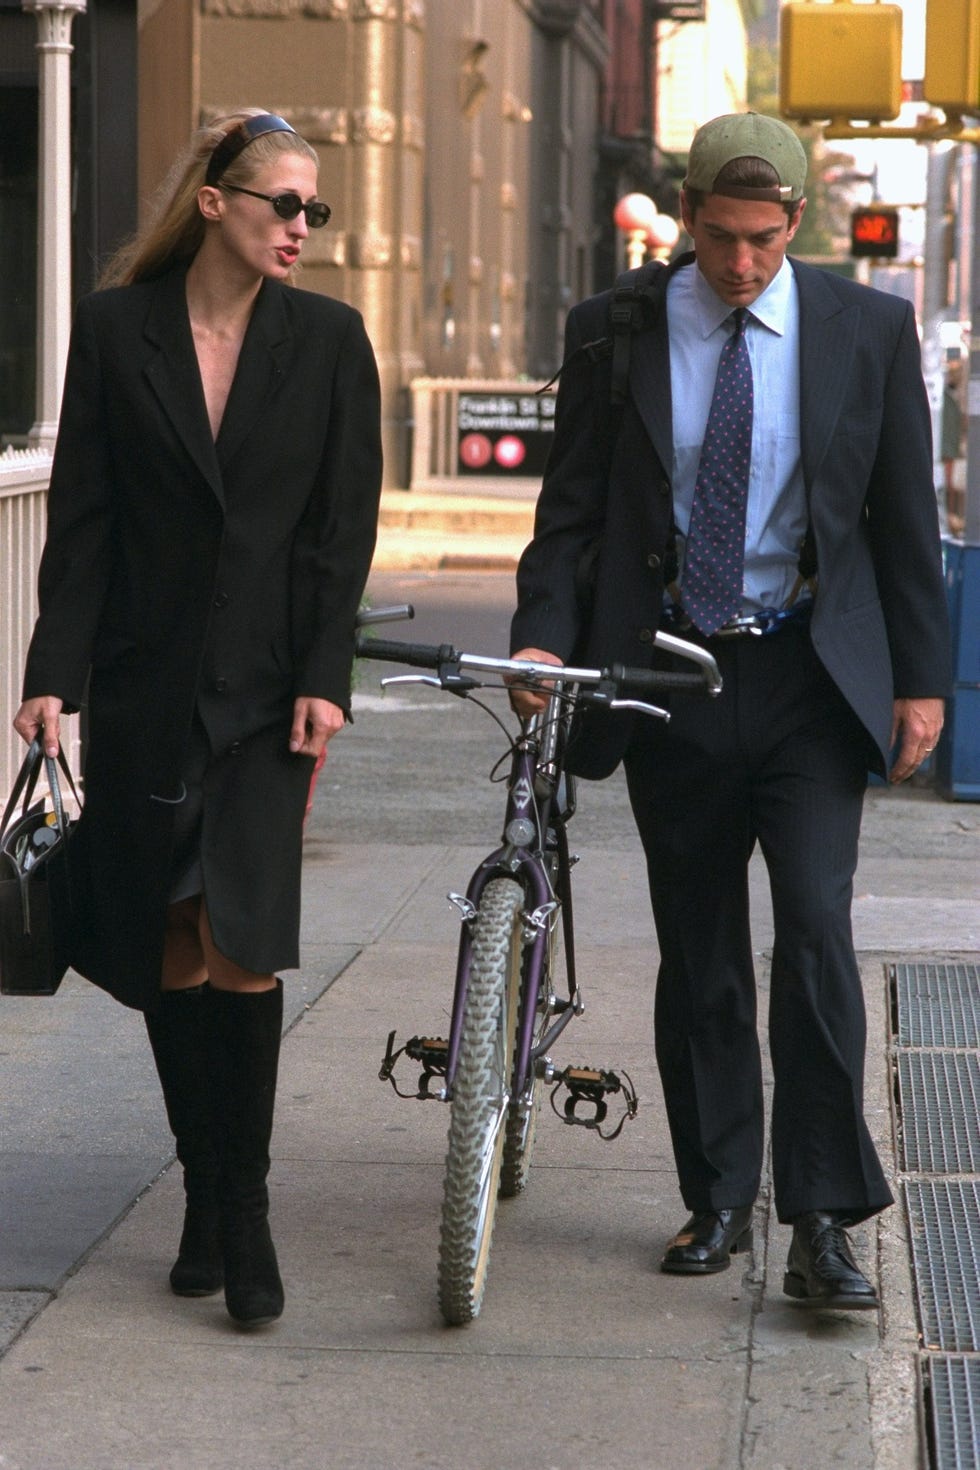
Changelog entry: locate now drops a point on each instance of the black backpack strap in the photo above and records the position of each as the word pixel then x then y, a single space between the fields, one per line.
pixel 808 555
pixel 636 293
pixel 806 567
pixel 633 294
pixel 595 351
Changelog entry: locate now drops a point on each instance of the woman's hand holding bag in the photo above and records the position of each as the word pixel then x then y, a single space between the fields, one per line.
pixel 35 881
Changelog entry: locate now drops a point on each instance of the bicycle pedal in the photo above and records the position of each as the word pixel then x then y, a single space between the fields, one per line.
pixel 432 1052
pixel 587 1089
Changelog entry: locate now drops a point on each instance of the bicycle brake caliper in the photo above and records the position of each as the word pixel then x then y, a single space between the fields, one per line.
pixel 467 910
pixel 431 1052
pixel 588 1088
pixel 534 922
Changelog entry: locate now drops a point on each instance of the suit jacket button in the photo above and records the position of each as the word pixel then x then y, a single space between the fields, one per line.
pixel 646 635
pixel 653 561
pixel 664 487
pixel 221 599
pixel 221 685
pixel 235 748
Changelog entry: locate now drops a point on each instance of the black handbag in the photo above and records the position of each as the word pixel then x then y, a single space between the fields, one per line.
pixel 35 881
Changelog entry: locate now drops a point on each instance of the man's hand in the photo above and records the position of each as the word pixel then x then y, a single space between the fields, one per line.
pixel 315 721
pixel 40 716
pixel 917 724
pixel 527 702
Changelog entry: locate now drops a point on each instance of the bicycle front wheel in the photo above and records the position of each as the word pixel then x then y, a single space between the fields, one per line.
pixel 479 1107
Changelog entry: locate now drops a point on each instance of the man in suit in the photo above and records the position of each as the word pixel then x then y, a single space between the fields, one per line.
pixel 765 490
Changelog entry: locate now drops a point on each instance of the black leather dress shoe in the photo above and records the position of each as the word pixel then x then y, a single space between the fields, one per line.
pixel 708 1241
pixel 821 1269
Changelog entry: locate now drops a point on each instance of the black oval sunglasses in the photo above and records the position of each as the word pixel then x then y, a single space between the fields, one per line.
pixel 288 206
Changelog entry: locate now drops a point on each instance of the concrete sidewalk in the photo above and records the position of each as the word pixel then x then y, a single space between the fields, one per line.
pixel 584 1354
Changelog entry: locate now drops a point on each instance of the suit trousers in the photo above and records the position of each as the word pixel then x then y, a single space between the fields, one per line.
pixel 778 759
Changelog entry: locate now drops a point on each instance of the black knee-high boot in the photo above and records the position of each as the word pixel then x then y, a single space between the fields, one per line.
pixel 177 1035
pixel 244 1034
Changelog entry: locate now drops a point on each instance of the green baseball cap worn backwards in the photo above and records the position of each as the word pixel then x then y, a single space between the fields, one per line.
pixel 747 135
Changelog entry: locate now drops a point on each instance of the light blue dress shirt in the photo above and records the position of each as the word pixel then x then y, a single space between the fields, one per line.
pixel 776 517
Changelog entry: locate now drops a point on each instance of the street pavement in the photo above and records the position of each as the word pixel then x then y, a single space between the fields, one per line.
pixel 584 1354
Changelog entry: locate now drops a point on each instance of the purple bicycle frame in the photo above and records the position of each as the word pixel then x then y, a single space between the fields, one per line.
pixel 526 866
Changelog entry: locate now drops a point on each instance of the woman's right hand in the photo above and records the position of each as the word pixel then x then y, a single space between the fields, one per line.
pixel 41 716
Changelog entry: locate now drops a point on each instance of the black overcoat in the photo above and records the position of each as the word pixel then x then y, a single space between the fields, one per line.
pixel 182 574
pixel 880 622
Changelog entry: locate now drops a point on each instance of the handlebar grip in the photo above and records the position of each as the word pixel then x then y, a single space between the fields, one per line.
pixel 638 682
pixel 420 655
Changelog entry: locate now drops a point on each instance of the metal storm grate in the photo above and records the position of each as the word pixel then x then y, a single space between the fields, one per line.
pixel 954 1391
pixel 936 1012
pixel 939 1092
pixel 937 1004
pixel 944 1217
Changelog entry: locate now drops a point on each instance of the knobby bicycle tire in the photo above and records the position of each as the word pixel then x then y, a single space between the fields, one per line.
pixel 522 1114
pixel 479 1106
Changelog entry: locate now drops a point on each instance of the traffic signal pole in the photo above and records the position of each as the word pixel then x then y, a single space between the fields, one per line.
pixel 841 63
pixel 971 531
pixel 958 755
pixel 934 292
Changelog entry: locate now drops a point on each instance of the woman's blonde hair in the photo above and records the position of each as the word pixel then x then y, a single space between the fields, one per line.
pixel 174 232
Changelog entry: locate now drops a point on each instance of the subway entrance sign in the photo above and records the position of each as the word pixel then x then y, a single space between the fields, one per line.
pixel 504 434
pixel 874 231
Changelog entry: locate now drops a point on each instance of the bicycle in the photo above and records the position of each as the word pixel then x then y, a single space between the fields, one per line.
pixel 495 1065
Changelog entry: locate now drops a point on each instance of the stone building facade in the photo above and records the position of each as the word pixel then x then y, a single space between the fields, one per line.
pixel 458 151
pixel 471 150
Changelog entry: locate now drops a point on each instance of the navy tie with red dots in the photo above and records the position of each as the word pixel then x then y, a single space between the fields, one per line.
pixel 715 554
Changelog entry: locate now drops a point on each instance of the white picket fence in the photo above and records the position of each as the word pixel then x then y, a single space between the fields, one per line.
pixel 24 475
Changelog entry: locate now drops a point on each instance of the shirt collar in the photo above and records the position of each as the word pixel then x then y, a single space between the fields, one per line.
pixel 771 309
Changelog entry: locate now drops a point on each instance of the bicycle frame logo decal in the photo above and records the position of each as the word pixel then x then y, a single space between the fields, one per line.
pixel 522 794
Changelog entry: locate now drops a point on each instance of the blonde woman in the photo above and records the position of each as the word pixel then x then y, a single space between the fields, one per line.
pixel 212 517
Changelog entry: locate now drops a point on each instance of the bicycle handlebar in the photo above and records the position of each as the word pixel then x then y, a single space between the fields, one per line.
pixel 392 614
pixel 419 655
pixel 453 667
pixel 638 682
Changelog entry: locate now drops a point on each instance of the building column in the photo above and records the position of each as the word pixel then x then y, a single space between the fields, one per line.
pixel 54 21
pixel 386 57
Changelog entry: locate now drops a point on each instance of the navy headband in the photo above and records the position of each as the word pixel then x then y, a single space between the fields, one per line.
pixel 238 138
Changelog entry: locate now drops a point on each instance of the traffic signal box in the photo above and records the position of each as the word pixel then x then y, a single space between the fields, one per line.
pixel 841 59
pixel 952 79
pixel 874 232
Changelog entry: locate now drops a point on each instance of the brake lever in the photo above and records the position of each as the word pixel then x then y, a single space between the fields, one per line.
pixel 639 707
pixel 450 682
pixel 429 679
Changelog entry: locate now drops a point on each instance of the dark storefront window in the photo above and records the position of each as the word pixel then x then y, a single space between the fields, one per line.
pixel 103 71
pixel 18 219
pixel 18 254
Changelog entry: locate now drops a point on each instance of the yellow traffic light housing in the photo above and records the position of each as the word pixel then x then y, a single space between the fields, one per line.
pixel 841 59
pixel 952 79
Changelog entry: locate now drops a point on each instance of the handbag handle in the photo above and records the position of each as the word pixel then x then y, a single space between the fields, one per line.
pixel 27 780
